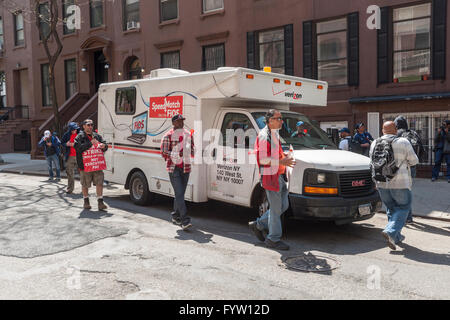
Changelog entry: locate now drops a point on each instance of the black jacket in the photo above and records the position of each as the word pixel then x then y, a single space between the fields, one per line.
pixel 82 143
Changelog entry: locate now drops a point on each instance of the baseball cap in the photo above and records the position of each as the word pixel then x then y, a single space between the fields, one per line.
pixel 47 133
pixel 344 130
pixel 178 117
pixel 299 123
pixel 359 125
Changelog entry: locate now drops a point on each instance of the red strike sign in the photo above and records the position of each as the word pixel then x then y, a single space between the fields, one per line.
pixel 165 107
pixel 94 160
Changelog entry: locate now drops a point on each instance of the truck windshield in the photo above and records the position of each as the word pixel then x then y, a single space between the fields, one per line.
pixel 298 131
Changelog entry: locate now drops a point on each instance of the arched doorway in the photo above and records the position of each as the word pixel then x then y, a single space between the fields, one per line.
pixel 134 68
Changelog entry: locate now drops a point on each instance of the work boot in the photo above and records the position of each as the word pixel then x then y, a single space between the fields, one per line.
pixel 279 245
pixel 390 241
pixel 258 233
pixel 101 205
pixel 87 205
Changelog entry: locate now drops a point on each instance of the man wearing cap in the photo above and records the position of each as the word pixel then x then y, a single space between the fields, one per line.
pixel 83 142
pixel 363 137
pixel 51 146
pixel 301 131
pixel 177 148
pixel 68 141
pixel 346 137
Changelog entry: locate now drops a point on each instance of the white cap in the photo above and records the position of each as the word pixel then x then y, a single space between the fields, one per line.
pixel 47 134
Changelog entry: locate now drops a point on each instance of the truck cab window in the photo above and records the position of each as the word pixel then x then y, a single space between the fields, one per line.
pixel 238 131
pixel 126 100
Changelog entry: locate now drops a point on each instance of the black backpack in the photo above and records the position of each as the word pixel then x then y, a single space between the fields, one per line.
pixel 383 162
pixel 415 141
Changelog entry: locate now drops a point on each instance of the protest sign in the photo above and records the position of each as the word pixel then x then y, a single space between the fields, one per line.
pixel 94 160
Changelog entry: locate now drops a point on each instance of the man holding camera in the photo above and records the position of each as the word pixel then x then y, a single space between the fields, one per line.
pixel 51 146
pixel 442 150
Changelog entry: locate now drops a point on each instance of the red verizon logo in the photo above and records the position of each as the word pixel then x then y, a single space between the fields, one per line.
pixel 359 183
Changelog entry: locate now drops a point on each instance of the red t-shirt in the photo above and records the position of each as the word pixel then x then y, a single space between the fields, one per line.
pixel 72 152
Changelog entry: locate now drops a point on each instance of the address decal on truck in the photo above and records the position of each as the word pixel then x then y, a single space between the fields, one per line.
pixel 165 107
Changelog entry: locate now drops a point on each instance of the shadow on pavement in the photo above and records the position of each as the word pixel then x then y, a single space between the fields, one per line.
pixel 418 226
pixel 94 215
pixel 418 255
pixel 195 235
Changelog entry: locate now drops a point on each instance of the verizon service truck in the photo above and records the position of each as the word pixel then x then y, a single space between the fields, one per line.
pixel 224 111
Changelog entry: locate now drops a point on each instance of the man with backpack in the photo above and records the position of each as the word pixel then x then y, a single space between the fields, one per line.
pixel 413 137
pixel 391 157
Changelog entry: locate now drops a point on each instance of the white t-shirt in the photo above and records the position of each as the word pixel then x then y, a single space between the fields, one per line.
pixel 343 145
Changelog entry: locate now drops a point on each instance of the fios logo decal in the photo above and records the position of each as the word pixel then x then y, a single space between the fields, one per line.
pixel 293 95
pixel 166 107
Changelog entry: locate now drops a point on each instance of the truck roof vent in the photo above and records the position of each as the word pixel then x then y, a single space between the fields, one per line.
pixel 167 73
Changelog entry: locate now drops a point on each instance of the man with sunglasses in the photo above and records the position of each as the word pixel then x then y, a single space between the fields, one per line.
pixel 272 162
pixel 83 142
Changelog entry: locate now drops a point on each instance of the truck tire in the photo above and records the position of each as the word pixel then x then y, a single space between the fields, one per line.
pixel 261 203
pixel 139 191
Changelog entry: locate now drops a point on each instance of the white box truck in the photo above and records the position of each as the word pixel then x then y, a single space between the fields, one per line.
pixel 225 111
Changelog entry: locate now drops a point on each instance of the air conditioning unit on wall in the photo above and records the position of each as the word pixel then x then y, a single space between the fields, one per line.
pixel 131 25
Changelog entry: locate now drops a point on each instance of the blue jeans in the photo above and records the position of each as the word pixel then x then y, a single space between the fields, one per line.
pixel 50 160
pixel 439 157
pixel 271 219
pixel 179 181
pixel 398 204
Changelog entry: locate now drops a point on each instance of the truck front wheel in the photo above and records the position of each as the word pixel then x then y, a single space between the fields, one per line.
pixel 262 203
pixel 139 191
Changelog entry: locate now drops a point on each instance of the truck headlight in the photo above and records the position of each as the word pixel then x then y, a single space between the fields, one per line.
pixel 320 182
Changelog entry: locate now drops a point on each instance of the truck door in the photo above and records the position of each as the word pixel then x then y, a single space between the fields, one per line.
pixel 231 178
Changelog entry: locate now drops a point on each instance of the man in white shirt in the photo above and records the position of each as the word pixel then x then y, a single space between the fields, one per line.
pixel 396 193
pixel 345 136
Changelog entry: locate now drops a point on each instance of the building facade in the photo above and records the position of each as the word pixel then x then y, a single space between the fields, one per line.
pixel 374 73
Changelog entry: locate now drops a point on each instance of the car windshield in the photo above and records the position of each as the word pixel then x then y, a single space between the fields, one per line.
pixel 298 131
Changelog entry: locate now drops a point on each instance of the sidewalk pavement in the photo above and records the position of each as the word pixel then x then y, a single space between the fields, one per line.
pixel 430 199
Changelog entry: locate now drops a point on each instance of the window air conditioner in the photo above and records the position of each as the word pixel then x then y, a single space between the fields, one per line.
pixel 132 25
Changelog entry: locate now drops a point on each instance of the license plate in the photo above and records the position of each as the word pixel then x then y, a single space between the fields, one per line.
pixel 364 210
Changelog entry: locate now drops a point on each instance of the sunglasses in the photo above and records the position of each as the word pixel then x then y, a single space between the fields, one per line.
pixel 279 118
pixel 89 124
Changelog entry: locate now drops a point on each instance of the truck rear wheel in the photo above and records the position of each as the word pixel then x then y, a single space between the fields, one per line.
pixel 139 191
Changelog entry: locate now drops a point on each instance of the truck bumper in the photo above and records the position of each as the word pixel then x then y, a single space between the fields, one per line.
pixel 338 209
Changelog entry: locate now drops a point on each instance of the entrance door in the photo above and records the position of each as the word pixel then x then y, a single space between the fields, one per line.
pixel 101 74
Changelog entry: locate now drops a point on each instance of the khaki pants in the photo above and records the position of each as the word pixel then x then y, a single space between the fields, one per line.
pixel 71 166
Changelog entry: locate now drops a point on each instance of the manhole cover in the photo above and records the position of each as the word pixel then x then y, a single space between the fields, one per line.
pixel 310 263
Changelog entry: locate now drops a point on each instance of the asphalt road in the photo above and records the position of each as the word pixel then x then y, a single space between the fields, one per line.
pixel 50 248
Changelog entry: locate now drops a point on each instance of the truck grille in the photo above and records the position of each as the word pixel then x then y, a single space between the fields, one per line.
pixel 356 184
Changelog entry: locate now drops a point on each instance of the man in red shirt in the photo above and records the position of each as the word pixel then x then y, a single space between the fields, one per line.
pixel 68 142
pixel 177 148
pixel 272 163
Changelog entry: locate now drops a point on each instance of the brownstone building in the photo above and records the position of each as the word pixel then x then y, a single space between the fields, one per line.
pixel 374 74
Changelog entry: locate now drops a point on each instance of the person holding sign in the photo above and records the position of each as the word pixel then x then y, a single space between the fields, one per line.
pixel 272 163
pixel 90 147
pixel 177 147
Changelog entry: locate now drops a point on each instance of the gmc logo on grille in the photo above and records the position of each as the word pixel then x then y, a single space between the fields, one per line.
pixel 359 183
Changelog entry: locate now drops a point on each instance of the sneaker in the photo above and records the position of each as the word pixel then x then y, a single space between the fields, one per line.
pixel 176 221
pixel 186 226
pixel 258 233
pixel 101 205
pixel 402 238
pixel 58 179
pixel 448 180
pixel 87 205
pixel 50 179
pixel 279 245
pixel 390 241
pixel 433 179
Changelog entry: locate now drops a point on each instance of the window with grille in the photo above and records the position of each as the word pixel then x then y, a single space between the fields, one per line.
pixel 70 67
pixel 1 34
pixel 332 51
pixel 131 15
pixel 212 5
pixel 67 14
pixel 412 45
pixel 271 50
pixel 46 97
pixel 170 60
pixel 169 10
pixel 96 13
pixel 213 57
pixel 19 34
